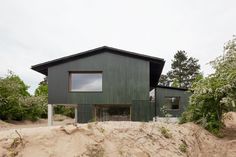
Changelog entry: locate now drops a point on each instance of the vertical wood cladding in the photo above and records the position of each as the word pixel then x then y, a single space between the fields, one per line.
pixel 162 93
pixel 124 79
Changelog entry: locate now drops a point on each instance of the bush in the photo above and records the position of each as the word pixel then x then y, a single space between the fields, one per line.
pixel 65 110
pixel 16 103
pixel 165 132
pixel 12 88
pixel 183 147
pixel 34 107
pixel 215 94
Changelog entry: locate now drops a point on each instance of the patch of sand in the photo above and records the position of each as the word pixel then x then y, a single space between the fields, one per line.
pixel 131 139
pixel 59 120
pixel 5 124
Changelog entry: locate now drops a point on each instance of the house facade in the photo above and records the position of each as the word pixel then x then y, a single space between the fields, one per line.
pixel 104 84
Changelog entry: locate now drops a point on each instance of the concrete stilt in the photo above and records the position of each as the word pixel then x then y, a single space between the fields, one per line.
pixel 76 113
pixel 50 114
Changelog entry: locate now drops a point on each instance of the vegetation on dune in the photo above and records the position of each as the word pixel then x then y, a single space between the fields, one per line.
pixel 183 147
pixel 16 103
pixel 165 132
pixel 64 110
pixel 42 90
pixel 216 94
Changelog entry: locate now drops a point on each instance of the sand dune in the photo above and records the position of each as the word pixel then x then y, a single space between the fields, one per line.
pixel 131 139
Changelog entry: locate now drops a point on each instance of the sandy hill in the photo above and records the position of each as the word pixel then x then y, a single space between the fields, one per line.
pixel 128 139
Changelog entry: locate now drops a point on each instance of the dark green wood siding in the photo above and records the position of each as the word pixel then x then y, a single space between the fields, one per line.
pixel 124 79
pixel 85 113
pixel 142 110
pixel 161 93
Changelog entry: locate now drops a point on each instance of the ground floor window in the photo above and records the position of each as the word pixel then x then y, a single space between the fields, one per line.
pixel 112 113
pixel 172 103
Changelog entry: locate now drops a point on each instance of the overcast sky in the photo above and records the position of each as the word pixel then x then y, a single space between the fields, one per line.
pixel 32 32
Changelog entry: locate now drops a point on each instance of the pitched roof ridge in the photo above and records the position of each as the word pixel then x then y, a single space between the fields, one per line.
pixel 43 66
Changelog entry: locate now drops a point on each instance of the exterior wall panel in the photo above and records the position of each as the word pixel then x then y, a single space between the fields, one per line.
pixel 161 93
pixel 85 113
pixel 124 79
pixel 142 110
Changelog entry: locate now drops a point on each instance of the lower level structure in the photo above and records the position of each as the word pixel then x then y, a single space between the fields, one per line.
pixel 173 100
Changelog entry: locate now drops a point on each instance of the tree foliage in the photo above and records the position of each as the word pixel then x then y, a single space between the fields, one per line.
pixel 215 94
pixel 34 107
pixel 16 103
pixel 42 89
pixel 164 80
pixel 184 70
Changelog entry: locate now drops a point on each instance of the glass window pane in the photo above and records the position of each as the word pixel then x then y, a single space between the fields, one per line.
pixel 172 102
pixel 85 82
pixel 112 113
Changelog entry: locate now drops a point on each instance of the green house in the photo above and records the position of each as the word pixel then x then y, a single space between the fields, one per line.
pixel 104 84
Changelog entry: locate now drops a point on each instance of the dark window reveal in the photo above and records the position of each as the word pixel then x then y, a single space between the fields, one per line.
pixel 112 113
pixel 86 82
pixel 172 102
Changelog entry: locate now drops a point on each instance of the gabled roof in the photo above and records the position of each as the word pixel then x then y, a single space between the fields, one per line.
pixel 156 64
pixel 42 67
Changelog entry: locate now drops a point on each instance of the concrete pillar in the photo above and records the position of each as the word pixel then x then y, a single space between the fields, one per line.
pixel 76 113
pixel 50 114
pixel 155 107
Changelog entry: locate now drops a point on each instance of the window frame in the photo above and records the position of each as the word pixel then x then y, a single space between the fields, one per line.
pixel 170 109
pixel 83 72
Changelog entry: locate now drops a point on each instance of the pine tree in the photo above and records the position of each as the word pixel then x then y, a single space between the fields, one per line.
pixel 184 70
pixel 164 80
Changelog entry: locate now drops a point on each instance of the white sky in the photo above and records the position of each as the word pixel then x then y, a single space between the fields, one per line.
pixel 33 31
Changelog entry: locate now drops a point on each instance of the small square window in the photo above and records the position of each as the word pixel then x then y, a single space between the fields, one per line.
pixel 172 103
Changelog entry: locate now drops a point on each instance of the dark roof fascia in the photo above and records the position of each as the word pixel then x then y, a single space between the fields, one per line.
pixel 174 88
pixel 42 66
pixel 134 54
pixel 61 60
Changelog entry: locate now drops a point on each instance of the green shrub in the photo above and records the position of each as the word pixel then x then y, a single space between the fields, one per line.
pixel 12 89
pixel 16 103
pixel 165 132
pixel 65 110
pixel 34 107
pixel 216 94
pixel 183 147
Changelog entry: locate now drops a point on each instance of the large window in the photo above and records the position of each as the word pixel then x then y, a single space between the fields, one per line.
pixel 86 82
pixel 112 113
pixel 172 103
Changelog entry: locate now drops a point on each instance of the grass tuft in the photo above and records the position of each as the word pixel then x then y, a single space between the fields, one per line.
pixel 165 132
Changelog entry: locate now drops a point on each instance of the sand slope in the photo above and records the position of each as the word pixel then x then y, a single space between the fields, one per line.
pixel 113 139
